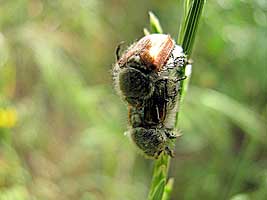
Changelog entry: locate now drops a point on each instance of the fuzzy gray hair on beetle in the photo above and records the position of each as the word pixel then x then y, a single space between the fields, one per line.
pixel 146 76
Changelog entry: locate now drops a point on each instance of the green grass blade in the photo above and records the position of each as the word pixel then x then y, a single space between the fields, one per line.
pixel 168 190
pixel 154 23
pixel 189 25
pixel 158 192
pixel 193 10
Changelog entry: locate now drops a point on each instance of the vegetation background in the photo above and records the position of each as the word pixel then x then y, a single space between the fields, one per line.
pixel 61 123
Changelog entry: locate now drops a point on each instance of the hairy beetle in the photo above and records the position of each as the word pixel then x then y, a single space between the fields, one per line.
pixel 146 76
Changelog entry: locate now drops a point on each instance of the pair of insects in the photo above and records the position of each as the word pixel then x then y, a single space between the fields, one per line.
pixel 147 76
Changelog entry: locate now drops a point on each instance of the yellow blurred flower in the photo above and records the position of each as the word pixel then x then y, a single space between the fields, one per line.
pixel 8 117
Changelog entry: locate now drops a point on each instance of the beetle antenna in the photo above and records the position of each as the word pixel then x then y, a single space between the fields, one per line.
pixel 118 50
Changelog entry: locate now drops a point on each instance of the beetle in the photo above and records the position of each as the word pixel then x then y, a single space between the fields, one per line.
pixel 145 76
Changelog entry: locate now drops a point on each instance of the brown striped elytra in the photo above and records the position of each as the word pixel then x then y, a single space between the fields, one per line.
pixel 153 50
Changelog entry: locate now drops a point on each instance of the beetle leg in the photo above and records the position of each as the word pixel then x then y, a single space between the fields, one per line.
pixel 166 78
pixel 169 151
pixel 158 154
pixel 181 61
pixel 171 134
pixel 178 79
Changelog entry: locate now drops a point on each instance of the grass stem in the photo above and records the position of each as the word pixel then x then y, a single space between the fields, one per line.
pixel 159 190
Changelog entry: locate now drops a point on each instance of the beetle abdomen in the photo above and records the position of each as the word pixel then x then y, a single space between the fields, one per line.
pixel 151 141
pixel 134 83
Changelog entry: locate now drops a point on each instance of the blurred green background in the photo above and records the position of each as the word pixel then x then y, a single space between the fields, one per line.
pixel 61 123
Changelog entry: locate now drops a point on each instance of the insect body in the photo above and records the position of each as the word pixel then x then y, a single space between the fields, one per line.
pixel 146 78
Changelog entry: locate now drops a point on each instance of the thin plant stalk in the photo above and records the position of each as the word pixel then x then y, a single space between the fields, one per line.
pixel 160 189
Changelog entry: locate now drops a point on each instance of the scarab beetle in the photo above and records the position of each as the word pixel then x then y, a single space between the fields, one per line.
pixel 145 76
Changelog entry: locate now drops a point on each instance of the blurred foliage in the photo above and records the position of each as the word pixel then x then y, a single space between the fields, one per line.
pixel 61 132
